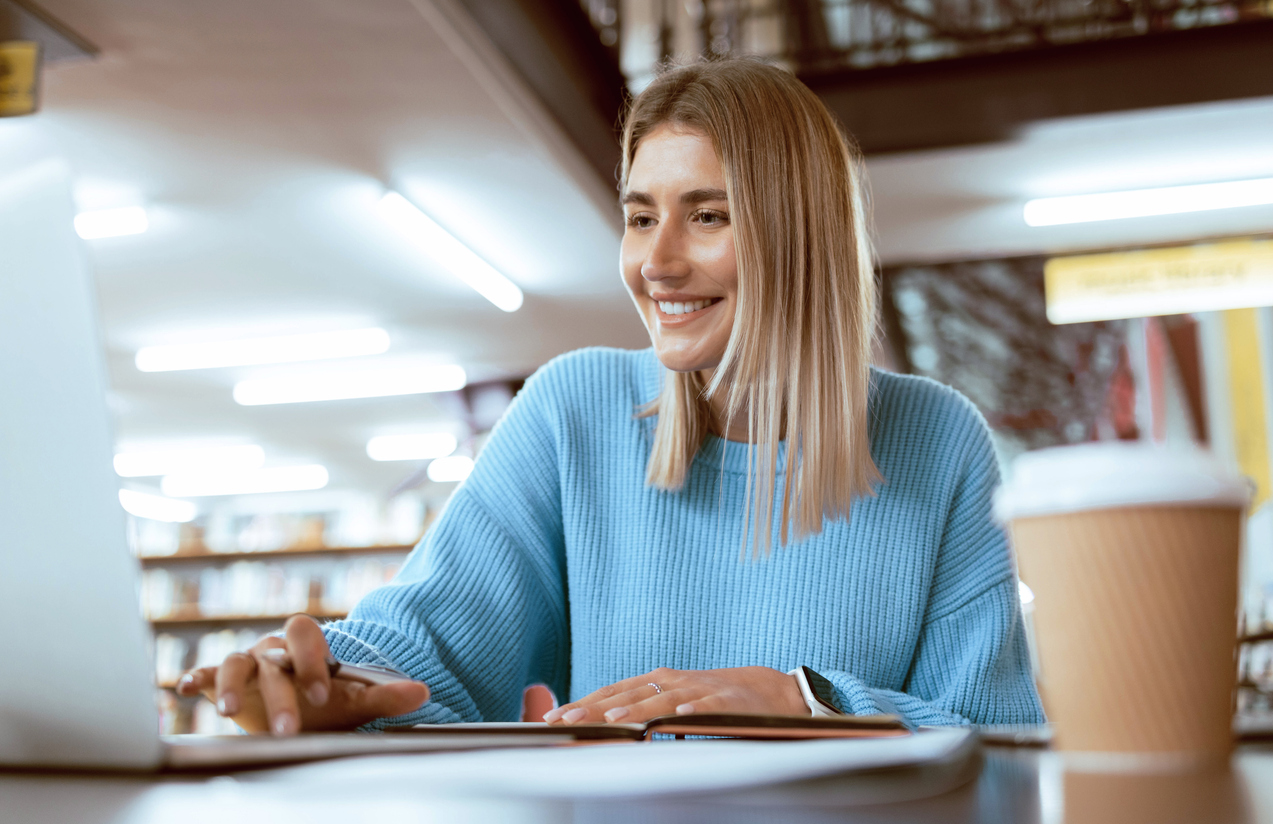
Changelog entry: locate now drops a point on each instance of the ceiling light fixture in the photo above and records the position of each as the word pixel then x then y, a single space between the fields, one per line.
pixel 148 462
pixel 101 223
pixel 273 479
pixel 1169 200
pixel 157 507
pixel 336 386
pixel 348 343
pixel 421 447
pixel 450 469
pixel 444 247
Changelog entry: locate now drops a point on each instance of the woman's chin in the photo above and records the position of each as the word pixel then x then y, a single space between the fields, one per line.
pixel 681 361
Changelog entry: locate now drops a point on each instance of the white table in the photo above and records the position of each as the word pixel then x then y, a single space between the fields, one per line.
pixel 1012 785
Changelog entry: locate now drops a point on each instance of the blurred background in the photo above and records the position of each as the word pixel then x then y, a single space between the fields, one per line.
pixel 330 239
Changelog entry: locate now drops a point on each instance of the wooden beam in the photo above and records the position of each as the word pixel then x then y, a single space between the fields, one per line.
pixel 553 46
pixel 988 99
pixel 24 20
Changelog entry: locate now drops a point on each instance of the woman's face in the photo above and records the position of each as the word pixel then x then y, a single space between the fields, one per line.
pixel 678 248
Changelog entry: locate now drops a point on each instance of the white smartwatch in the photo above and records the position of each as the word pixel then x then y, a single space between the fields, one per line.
pixel 818 693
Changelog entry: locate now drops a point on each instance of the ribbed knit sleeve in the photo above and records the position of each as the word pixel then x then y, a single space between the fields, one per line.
pixel 479 609
pixel 971 663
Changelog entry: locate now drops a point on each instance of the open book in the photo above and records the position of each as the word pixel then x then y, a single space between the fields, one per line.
pixel 723 725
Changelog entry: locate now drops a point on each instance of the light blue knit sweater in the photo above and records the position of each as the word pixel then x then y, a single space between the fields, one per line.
pixel 555 563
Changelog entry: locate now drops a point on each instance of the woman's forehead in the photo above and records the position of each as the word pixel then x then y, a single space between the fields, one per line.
pixel 674 155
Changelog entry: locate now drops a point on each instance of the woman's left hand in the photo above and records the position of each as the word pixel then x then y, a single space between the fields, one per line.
pixel 635 700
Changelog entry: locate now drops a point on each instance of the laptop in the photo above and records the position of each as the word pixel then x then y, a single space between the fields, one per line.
pixel 76 677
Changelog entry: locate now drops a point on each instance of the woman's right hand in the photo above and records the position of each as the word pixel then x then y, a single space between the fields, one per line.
pixel 261 697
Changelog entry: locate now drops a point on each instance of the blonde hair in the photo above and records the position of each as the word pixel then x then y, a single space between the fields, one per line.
pixel 798 359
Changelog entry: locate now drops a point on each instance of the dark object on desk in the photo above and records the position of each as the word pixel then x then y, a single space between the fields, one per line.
pixel 722 725
pixel 779 727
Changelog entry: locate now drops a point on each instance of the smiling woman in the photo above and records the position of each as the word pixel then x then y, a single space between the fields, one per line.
pixel 741 192
pixel 594 547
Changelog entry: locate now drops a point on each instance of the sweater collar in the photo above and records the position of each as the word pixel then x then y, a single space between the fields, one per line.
pixel 716 452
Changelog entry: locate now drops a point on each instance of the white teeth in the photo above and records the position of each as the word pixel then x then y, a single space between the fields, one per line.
pixel 677 308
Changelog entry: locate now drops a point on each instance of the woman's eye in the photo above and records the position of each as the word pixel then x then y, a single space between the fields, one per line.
pixel 640 221
pixel 712 218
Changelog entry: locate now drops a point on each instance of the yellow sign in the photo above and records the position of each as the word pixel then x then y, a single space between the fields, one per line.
pixel 1231 275
pixel 1246 394
pixel 19 75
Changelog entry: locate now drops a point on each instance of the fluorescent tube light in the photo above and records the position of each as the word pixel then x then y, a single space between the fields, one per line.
pixel 1170 200
pixel 335 386
pixel 453 468
pixel 157 507
pixel 348 343
pixel 143 463
pixel 444 247
pixel 274 479
pixel 419 447
pixel 101 223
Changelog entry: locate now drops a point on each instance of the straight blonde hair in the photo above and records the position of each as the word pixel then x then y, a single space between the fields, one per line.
pixel 798 359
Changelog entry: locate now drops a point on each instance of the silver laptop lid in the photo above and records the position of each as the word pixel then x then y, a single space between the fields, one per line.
pixel 75 675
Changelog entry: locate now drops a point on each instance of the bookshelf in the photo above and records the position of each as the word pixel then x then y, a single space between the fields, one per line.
pixel 323 582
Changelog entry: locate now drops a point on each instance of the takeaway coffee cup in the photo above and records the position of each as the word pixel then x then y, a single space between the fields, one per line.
pixel 1132 553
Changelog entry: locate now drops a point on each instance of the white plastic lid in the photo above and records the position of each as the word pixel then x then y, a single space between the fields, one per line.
pixel 1116 474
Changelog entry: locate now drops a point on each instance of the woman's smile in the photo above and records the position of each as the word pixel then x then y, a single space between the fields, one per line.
pixel 677 311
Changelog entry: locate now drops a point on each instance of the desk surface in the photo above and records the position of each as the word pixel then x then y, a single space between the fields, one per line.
pixel 1022 786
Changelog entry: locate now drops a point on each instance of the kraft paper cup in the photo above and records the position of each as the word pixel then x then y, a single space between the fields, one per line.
pixel 1132 554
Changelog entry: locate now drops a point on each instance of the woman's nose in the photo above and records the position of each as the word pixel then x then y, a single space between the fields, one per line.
pixel 664 257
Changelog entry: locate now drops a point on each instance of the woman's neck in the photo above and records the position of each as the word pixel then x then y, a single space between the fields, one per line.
pixel 733 430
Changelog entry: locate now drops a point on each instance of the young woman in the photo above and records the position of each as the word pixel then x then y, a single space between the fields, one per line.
pixel 675 530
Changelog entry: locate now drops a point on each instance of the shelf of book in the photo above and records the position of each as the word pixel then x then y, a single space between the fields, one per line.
pixel 148 561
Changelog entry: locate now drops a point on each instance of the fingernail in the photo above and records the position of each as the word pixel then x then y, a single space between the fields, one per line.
pixel 317 694
pixel 284 724
pixel 553 714
pixel 185 681
pixel 575 715
pixel 617 714
pixel 228 704
pixel 685 709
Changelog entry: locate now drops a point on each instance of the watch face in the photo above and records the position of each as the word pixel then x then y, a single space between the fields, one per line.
pixel 821 689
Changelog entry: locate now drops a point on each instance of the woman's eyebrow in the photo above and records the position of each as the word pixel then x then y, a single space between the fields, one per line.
pixel 703 196
pixel 692 197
